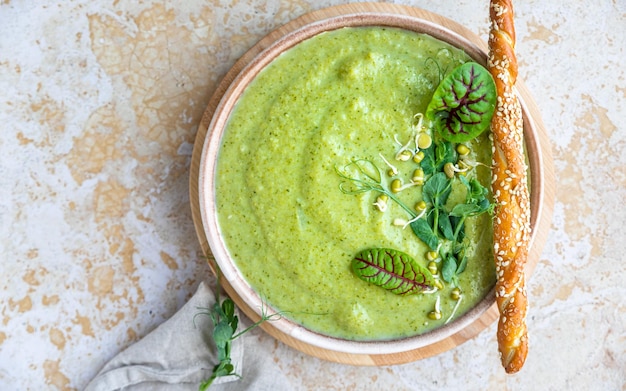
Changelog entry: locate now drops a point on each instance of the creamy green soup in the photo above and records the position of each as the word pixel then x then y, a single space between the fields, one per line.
pixel 343 95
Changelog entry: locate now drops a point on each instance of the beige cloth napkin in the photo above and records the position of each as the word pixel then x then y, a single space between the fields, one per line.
pixel 179 354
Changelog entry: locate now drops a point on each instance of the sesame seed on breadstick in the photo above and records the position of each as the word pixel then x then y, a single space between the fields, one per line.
pixel 510 189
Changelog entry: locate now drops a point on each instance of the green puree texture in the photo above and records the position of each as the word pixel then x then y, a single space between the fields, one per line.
pixel 339 96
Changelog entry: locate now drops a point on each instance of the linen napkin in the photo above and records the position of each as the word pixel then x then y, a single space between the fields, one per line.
pixel 180 353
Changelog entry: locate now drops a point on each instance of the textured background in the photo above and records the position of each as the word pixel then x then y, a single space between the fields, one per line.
pixel 99 105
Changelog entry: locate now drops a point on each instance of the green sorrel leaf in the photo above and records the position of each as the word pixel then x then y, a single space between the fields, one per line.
pixel 463 104
pixel 392 270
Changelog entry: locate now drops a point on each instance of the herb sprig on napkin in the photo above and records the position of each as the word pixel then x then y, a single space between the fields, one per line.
pixel 225 323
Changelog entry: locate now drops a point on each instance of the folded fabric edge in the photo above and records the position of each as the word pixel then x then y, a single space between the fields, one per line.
pixel 124 370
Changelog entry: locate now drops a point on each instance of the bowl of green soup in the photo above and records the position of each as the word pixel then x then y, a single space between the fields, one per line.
pixel 326 193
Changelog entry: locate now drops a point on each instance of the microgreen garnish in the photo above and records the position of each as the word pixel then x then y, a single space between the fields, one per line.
pixel 448 225
pixel 438 226
pixel 392 270
pixel 460 110
pixel 225 323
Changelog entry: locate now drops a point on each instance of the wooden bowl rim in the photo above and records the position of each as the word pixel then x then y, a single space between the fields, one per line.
pixel 223 101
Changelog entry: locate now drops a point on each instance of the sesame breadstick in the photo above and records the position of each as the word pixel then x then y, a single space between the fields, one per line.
pixel 510 190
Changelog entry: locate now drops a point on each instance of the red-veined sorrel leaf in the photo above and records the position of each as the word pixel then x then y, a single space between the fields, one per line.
pixel 392 270
pixel 463 104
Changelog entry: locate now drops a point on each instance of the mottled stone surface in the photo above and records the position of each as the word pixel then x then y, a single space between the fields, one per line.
pixel 99 107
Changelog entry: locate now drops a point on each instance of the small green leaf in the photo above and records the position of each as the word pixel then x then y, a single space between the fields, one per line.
pixel 456 221
pixel 222 332
pixel 437 189
pixel 425 233
pixel 222 351
pixel 228 369
pixel 485 206
pixel 475 191
pixel 228 308
pixel 448 268
pixel 428 163
pixel 463 104
pixel 444 153
pixel 461 210
pixel 225 368
pixel 234 322
pixel 392 270
pixel 436 156
pixel 445 226
pixel 462 264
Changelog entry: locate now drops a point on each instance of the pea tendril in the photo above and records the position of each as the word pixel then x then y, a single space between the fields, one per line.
pixel 369 179
pixel 460 110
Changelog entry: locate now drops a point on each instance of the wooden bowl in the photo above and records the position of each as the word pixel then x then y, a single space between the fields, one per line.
pixel 207 148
